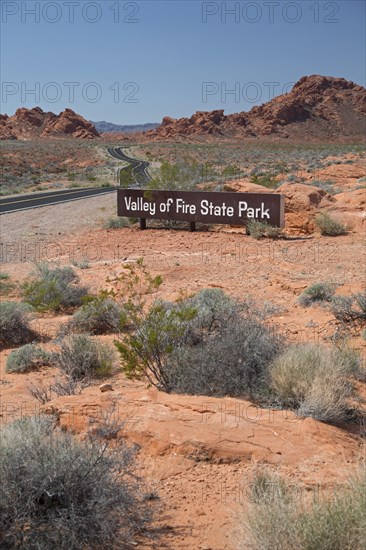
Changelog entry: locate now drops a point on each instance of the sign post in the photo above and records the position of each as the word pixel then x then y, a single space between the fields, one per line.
pixel 200 206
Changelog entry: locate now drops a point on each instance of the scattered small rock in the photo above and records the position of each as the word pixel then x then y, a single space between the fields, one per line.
pixel 106 387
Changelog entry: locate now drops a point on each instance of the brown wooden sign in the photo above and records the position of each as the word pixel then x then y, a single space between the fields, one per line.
pixel 201 206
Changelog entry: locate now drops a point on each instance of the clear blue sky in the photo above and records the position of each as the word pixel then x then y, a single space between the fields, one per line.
pixel 168 50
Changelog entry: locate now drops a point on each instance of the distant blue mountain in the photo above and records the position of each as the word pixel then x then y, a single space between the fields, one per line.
pixel 103 126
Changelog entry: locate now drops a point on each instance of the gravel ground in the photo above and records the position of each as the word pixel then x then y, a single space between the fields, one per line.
pixel 49 222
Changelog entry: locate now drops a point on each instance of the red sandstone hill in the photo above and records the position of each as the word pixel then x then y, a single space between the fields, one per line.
pixel 33 123
pixel 318 107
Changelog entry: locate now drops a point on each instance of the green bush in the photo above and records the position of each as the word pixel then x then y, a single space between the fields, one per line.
pixel 80 357
pixel 318 292
pixel 83 264
pixel 259 230
pixel 350 309
pixel 98 315
pixel 116 223
pixel 26 358
pixel 14 324
pixel 278 520
pixel 315 381
pixel 5 285
pixel 54 289
pixel 57 492
pixel 267 180
pixel 145 348
pixel 127 176
pixel 329 226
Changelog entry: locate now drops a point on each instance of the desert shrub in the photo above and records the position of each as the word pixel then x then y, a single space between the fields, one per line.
pixel 98 315
pixel 350 358
pixel 267 180
pixel 14 323
pixel 259 230
pixel 318 292
pixel 26 358
pixel 80 357
pixel 232 359
pixel 350 309
pixel 278 520
pixel 5 285
pixel 82 264
pixel 152 337
pixel 182 175
pixel 327 186
pixel 364 334
pixel 265 485
pixel 58 492
pixel 206 344
pixel 116 223
pixel 211 306
pixel 60 386
pixel 127 176
pixel 54 289
pixel 329 226
pixel 191 345
pixel 315 381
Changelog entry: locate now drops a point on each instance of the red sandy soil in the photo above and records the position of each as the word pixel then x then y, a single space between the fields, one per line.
pixel 198 453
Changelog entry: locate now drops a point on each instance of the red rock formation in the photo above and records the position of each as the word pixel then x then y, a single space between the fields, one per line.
pixel 33 123
pixel 70 123
pixel 317 107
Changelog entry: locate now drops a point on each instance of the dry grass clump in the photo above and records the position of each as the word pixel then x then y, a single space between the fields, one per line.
pixel 259 230
pixel 329 226
pixel 279 520
pixel 315 381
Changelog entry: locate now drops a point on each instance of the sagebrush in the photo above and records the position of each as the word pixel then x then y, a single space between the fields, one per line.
pixel 27 358
pixel 57 492
pixel 98 315
pixel 15 324
pixel 54 288
pixel 318 292
pixel 81 357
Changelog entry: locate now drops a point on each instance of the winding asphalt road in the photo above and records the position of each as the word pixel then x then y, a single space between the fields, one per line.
pixel 139 167
pixel 16 203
